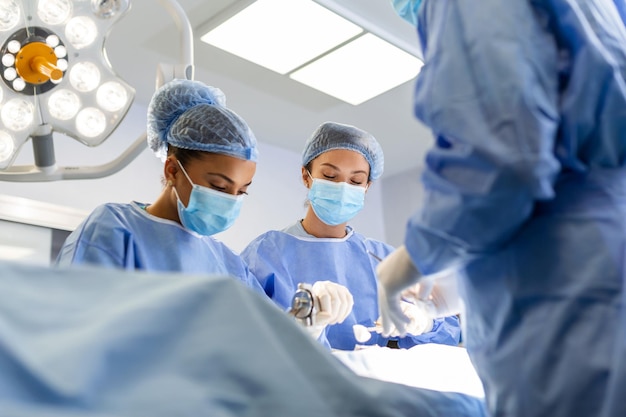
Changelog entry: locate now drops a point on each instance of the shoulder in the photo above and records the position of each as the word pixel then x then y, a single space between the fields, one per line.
pixel 225 251
pixel 109 215
pixel 266 239
pixel 111 210
pixel 377 246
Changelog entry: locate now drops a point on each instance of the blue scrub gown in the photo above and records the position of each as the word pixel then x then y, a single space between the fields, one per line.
pixel 126 236
pixel 96 342
pixel 281 260
pixel 526 185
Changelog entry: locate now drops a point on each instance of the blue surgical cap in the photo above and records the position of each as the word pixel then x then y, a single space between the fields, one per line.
pixel 191 115
pixel 330 135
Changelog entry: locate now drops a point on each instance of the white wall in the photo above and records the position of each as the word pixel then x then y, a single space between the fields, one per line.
pixel 402 195
pixel 276 196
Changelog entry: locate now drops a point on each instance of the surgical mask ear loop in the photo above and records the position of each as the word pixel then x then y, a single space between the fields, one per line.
pixel 188 179
pixel 310 176
pixel 185 172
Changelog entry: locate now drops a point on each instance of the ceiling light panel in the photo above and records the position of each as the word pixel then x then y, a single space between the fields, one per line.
pixel 281 35
pixel 360 70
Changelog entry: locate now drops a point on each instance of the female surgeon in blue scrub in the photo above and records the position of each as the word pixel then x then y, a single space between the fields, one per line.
pixel 339 163
pixel 210 157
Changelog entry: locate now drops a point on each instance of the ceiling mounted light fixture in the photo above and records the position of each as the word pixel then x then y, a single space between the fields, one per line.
pixel 280 35
pixel 364 68
pixel 56 77
pixel 318 43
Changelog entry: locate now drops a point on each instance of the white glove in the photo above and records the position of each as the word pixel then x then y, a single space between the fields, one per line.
pixel 333 304
pixel 420 320
pixel 439 294
pixel 395 273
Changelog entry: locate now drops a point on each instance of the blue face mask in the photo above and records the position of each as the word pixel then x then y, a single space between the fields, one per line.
pixel 335 203
pixel 407 9
pixel 208 211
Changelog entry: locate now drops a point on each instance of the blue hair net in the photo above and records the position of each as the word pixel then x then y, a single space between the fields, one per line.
pixel 191 115
pixel 330 135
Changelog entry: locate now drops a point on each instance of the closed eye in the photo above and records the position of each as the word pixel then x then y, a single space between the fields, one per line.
pixel 218 188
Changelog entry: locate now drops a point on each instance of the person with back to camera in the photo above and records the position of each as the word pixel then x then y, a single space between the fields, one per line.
pixel 526 196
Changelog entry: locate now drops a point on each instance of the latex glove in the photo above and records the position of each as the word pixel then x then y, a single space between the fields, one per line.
pixel 333 304
pixel 395 273
pixel 439 294
pixel 420 321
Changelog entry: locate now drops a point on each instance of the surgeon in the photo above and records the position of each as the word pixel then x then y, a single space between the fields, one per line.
pixel 526 193
pixel 339 164
pixel 210 156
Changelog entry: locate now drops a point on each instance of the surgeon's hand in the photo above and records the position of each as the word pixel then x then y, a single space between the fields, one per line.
pixel 395 273
pixel 420 321
pixel 439 294
pixel 333 303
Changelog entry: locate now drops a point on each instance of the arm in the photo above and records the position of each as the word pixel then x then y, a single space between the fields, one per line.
pixel 332 301
pixel 98 240
pixel 493 109
pixel 489 90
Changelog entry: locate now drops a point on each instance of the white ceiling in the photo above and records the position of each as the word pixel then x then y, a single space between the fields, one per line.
pixel 279 110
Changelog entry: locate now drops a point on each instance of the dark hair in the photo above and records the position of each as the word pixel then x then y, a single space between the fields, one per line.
pixel 184 155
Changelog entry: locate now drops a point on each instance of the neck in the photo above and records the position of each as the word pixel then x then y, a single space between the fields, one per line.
pixel 314 226
pixel 165 206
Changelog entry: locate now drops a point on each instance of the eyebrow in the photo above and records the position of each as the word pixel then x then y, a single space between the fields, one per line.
pixel 225 178
pixel 337 169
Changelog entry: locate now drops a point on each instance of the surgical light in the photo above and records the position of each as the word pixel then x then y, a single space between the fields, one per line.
pixel 63 104
pixel 81 32
pixel 9 14
pixel 55 76
pixel 6 145
pixel 111 96
pixel 8 60
pixel 85 76
pixel 17 114
pixel 54 12
pixel 106 8
pixel 90 122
